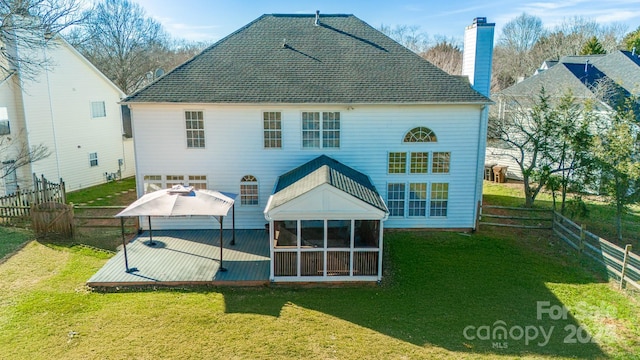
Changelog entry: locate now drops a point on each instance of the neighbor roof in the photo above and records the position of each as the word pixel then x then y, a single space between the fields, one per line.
pixel 287 59
pixel 325 170
pixel 582 74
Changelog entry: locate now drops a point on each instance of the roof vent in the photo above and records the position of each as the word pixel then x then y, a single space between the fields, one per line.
pixel 633 51
pixel 586 66
pixel 317 22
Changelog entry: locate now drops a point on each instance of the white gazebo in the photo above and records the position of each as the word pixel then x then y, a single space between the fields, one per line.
pixel 180 201
pixel 325 224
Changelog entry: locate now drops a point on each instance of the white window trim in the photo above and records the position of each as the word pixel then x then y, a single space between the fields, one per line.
pixel 321 130
pixel 281 128
pixel 204 129
pixel 428 199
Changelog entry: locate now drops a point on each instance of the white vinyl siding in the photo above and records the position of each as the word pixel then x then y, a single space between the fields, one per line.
pixel 236 149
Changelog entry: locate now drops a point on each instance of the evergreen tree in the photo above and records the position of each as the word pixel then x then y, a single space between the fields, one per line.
pixel 592 47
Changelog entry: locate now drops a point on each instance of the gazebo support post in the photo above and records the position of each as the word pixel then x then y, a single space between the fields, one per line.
pixel 124 248
pixel 222 268
pixel 151 243
pixel 233 224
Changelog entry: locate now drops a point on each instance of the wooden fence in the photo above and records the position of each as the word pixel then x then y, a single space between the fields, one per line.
pixel 515 217
pixel 18 205
pixel 52 218
pixel 620 262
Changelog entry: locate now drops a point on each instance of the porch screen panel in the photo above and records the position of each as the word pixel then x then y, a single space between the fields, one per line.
pixel 285 263
pixel 311 263
pixel 338 263
pixel 365 263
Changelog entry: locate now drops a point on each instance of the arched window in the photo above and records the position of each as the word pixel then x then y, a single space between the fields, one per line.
pixel 420 134
pixel 249 190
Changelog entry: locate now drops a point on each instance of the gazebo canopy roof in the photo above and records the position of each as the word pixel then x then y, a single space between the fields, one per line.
pixel 180 201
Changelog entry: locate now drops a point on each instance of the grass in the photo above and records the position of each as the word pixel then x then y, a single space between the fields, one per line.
pixel 104 194
pixel 436 285
pixel 11 239
pixel 600 219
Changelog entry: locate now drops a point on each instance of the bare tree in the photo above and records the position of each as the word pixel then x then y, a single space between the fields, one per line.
pixel 446 56
pixel 28 25
pixel 512 52
pixel 546 137
pixel 14 154
pixel 408 36
pixel 521 33
pixel 120 40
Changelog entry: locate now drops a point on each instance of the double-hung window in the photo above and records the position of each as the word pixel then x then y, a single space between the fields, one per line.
pixel 395 199
pixel 272 122
pixel 93 159
pixel 194 123
pixel 439 199
pixel 320 130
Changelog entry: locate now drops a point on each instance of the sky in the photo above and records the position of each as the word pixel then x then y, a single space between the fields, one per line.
pixel 211 20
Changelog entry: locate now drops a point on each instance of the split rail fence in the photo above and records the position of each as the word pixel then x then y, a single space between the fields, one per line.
pixel 619 262
pixel 622 263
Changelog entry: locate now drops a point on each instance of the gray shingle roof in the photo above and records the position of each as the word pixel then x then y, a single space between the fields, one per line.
pixel 286 59
pixel 619 67
pixel 325 170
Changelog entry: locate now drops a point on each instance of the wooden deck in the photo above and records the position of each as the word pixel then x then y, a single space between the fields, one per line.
pixel 189 257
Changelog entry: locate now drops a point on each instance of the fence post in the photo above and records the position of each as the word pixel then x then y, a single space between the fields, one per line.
pixel 63 190
pixel 583 228
pixel 627 249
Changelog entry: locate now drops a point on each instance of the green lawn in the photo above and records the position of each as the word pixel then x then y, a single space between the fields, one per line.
pixel 11 239
pixel 599 220
pixel 104 194
pixel 437 284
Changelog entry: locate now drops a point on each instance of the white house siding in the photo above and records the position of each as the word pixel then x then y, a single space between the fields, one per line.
pixel 11 100
pixel 501 157
pixel 58 114
pixel 234 148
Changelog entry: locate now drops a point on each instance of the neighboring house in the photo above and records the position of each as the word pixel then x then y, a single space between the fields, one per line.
pixel 71 108
pixel 600 78
pixel 326 128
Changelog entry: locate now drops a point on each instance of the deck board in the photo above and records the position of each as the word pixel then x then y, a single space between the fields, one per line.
pixel 189 257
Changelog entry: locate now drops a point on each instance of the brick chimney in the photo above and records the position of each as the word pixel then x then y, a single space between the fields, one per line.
pixel 478 54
